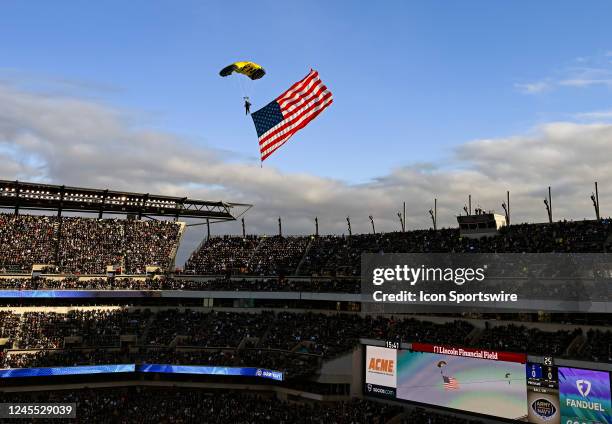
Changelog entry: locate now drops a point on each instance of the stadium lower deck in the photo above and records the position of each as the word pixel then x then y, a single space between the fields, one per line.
pixel 253 329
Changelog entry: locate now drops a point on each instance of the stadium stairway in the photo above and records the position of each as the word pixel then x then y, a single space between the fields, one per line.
pixel 304 256
pixel 249 262
pixel 264 336
pixel 246 342
pixel 576 346
pixel 172 263
pixel 18 331
pixel 473 335
pixel 145 334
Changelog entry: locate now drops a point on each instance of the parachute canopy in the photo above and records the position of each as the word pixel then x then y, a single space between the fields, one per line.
pixel 250 69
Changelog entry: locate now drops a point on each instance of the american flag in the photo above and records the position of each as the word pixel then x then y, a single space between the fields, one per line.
pixel 290 112
pixel 450 383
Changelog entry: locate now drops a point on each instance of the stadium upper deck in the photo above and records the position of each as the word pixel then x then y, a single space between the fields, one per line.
pixel 86 246
pixel 78 245
pixel 339 255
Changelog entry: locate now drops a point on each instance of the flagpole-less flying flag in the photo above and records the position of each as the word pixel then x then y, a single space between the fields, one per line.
pixel 290 112
pixel 450 383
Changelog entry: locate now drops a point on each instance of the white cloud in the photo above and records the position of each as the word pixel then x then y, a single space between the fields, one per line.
pixel 534 87
pixel 591 71
pixel 599 116
pixel 585 82
pixel 78 142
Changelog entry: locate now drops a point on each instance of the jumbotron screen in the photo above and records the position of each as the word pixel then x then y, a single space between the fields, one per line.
pixel 584 396
pixel 472 384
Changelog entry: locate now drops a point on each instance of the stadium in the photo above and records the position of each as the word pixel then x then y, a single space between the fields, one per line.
pixel 96 313
pixel 306 212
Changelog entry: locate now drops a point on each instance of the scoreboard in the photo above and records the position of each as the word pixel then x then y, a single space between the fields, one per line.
pixel 496 384
pixel 543 393
pixel 542 375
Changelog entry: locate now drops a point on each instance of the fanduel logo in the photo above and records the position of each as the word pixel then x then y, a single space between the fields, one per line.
pixel 584 387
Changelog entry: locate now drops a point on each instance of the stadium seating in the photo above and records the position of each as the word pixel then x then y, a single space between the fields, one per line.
pixel 293 342
pixel 340 255
pixel 175 405
pixel 316 284
pixel 296 342
pixel 84 245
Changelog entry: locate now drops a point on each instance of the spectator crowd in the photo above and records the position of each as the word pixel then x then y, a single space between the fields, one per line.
pixel 341 255
pixel 85 245
pixel 143 404
pixel 289 341
pixel 135 405
pixel 280 284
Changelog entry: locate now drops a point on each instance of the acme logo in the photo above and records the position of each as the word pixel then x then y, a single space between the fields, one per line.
pixel 385 366
pixel 584 387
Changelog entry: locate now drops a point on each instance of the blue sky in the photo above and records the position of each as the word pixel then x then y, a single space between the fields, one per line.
pixel 411 80
pixel 433 99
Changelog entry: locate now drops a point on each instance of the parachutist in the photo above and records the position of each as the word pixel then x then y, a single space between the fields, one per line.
pixel 247 106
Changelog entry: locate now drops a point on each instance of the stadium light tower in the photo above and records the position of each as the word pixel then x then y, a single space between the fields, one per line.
pixel 316 226
pixel 399 214
pixel 348 221
pixel 548 203
pixel 506 207
pixel 280 227
pixel 243 229
pixel 372 221
pixel 434 215
pixel 595 200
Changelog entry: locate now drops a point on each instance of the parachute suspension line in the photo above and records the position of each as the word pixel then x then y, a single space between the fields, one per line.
pixel 244 90
pixel 250 87
pixel 240 87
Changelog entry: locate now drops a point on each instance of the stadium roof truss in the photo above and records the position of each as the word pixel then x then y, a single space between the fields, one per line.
pixel 34 196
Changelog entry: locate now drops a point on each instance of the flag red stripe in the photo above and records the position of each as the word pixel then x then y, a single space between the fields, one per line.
pixel 297 95
pixel 294 87
pixel 293 131
pixel 290 134
pixel 298 92
pixel 289 125
pixel 264 139
pixel 299 124
pixel 316 91
pixel 310 74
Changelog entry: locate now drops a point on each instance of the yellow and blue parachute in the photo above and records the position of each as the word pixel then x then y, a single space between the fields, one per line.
pixel 250 69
